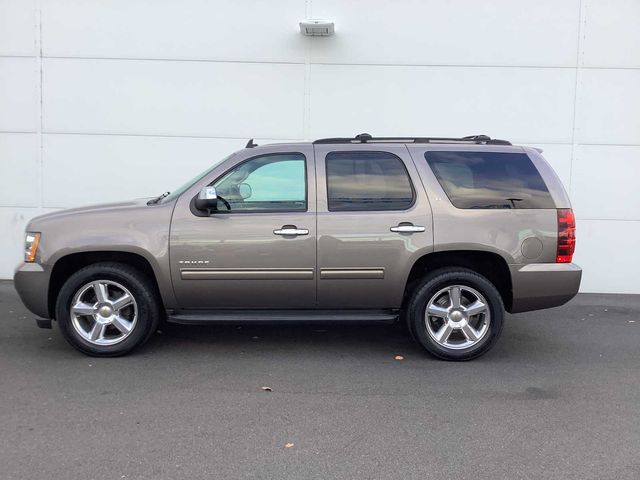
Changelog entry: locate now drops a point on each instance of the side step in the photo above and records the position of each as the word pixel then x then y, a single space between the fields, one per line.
pixel 209 317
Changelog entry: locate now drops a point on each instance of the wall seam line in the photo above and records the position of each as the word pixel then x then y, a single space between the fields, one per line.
pixel 163 135
pixel 277 139
pixel 40 123
pixel 582 23
pixel 306 107
pixel 340 64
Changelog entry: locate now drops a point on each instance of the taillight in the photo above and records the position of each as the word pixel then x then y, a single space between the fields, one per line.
pixel 566 235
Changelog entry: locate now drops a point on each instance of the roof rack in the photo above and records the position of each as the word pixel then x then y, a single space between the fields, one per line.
pixel 366 138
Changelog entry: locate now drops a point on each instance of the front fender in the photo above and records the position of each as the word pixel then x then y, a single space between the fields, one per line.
pixel 136 228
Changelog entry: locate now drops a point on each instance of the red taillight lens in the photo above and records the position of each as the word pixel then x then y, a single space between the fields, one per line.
pixel 566 235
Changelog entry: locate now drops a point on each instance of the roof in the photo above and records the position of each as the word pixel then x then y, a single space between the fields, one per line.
pixel 366 138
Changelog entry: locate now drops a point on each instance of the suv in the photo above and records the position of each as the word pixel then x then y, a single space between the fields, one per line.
pixel 442 233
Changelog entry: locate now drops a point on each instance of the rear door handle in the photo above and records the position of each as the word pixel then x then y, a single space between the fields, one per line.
pixel 291 230
pixel 407 228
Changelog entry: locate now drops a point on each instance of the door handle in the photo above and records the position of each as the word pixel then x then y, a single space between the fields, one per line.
pixel 291 230
pixel 407 228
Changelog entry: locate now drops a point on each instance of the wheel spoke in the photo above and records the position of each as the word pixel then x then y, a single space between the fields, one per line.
pixel 102 321
pixel 122 302
pixel 122 324
pixel 442 335
pixel 97 332
pixel 454 296
pixel 470 332
pixel 102 294
pixel 462 322
pixel 437 310
pixel 475 308
pixel 82 308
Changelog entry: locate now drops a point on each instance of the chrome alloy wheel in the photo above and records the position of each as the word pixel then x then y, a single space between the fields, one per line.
pixel 457 317
pixel 103 312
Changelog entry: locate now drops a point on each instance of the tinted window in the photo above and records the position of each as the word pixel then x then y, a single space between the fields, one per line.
pixel 359 181
pixel 266 183
pixel 489 180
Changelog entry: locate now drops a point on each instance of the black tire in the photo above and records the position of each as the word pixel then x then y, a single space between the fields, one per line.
pixel 149 307
pixel 430 286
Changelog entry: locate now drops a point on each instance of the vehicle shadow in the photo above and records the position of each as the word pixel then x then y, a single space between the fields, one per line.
pixel 286 337
pixel 521 338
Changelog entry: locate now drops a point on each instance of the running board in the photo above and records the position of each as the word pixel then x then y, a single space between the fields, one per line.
pixel 209 317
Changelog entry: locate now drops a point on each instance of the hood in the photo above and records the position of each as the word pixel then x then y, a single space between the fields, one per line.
pixel 131 226
pixel 125 205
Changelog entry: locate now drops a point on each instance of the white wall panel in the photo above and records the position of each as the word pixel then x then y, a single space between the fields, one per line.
pixel 17 27
pixel 607 252
pixel 251 30
pixel 19 170
pixel 604 182
pixel 132 88
pixel 609 107
pixel 467 32
pixel 533 105
pixel 107 168
pixel 612 33
pixel 19 102
pixel 13 221
pixel 174 98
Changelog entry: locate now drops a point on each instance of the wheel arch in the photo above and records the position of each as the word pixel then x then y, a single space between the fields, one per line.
pixel 67 265
pixel 488 264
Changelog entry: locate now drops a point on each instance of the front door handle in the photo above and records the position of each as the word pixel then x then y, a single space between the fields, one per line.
pixel 291 230
pixel 407 228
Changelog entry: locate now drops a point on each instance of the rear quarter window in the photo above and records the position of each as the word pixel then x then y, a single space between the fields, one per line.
pixel 489 180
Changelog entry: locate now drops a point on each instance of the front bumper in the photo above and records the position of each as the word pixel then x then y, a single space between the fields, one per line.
pixel 31 280
pixel 543 285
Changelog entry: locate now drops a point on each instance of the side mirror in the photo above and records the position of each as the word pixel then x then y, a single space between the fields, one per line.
pixel 207 199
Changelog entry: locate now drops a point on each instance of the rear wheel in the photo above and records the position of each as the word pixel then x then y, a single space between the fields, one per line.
pixel 107 309
pixel 455 314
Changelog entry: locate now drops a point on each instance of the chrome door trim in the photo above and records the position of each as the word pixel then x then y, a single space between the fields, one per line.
pixel 246 274
pixel 351 273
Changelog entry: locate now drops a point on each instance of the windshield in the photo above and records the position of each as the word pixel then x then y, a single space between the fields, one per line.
pixel 185 186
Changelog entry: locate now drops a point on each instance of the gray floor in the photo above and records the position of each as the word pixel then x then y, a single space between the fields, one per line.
pixel 559 397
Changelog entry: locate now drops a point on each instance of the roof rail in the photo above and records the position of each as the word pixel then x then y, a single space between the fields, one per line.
pixel 366 138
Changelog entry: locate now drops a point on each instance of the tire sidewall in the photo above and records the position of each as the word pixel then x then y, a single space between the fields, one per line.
pixel 442 279
pixel 146 308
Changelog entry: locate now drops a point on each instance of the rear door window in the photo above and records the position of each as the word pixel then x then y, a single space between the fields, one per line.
pixel 367 181
pixel 489 180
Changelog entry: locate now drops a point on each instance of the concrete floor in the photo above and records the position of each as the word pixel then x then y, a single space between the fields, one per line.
pixel 557 398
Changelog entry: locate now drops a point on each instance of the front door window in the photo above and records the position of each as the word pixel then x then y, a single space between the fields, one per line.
pixel 269 183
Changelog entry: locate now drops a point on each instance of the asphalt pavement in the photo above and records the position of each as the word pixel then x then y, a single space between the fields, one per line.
pixel 557 398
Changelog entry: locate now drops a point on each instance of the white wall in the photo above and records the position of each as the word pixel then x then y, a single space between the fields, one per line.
pixel 102 101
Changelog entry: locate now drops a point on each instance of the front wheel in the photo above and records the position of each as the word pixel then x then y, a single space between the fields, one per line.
pixel 455 314
pixel 107 309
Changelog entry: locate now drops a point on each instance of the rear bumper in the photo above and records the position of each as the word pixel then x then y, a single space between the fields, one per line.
pixel 31 280
pixel 543 285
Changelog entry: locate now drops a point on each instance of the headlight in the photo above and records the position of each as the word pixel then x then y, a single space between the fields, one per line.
pixel 31 246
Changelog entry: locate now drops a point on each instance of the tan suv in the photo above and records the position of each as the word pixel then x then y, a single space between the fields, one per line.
pixel 443 233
